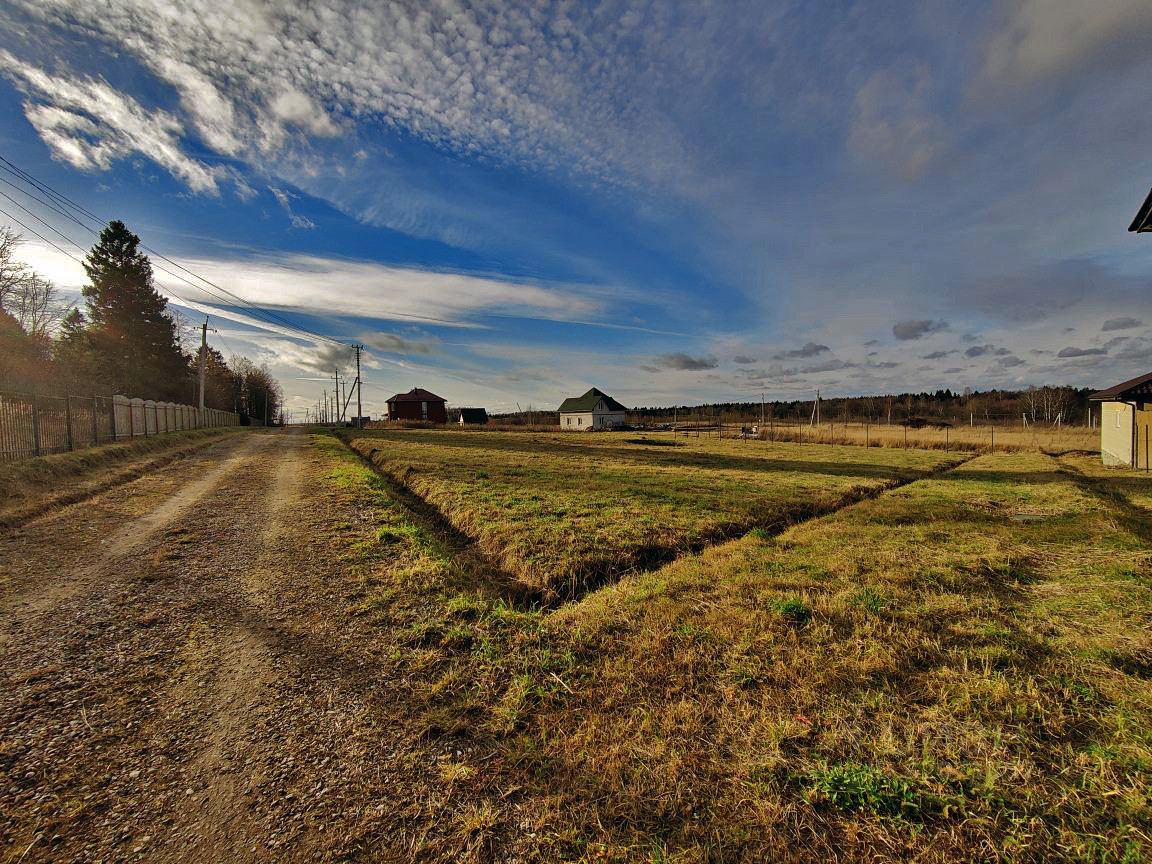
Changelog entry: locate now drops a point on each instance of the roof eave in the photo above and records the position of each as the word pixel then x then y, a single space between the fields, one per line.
pixel 1143 222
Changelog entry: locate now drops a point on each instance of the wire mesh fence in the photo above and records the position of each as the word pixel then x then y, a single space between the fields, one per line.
pixel 32 425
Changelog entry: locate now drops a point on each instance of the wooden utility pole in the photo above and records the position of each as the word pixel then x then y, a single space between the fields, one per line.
pixel 203 358
pixel 359 408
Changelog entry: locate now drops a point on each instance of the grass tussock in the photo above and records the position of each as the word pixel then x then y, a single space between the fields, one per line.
pixel 565 514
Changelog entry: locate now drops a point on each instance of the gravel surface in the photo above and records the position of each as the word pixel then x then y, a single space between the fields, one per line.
pixel 183 680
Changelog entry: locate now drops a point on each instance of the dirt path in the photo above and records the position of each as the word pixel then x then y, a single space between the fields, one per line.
pixel 182 681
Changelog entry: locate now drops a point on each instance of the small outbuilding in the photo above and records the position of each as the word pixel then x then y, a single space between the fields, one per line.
pixel 593 410
pixel 418 404
pixel 1126 422
pixel 473 416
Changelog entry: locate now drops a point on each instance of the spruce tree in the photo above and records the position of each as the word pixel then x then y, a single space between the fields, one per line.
pixel 131 335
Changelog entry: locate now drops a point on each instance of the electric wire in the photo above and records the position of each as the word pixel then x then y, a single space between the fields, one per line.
pixel 40 236
pixel 215 291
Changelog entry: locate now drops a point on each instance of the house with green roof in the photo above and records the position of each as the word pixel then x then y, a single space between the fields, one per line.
pixel 593 410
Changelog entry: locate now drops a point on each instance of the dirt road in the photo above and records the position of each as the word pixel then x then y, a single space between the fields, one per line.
pixel 182 680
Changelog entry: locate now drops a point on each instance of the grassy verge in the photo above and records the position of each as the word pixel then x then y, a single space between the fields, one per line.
pixel 564 514
pixel 34 486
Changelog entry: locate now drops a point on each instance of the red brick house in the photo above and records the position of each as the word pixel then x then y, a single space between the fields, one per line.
pixel 417 404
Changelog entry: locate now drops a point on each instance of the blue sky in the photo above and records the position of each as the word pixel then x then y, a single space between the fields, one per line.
pixel 507 203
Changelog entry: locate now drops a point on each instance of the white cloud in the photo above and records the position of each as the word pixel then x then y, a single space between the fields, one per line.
pixel 1043 38
pixel 88 123
pixel 359 289
pixel 893 122
pixel 549 87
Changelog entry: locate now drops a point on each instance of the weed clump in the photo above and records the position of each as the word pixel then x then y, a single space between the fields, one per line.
pixel 793 610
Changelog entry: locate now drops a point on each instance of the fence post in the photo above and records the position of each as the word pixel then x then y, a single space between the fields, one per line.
pixel 36 423
pixel 95 425
pixel 131 420
pixel 68 419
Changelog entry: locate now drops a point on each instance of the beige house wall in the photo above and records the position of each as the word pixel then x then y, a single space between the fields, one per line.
pixel 576 422
pixel 590 420
pixel 1116 433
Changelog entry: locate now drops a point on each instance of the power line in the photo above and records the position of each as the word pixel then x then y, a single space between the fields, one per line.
pixel 40 236
pixel 42 221
pixel 215 291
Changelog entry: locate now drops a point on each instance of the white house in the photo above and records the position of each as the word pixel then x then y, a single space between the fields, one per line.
pixel 1126 422
pixel 593 410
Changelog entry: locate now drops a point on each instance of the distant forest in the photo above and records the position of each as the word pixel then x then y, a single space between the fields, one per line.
pixel 1036 404
pixel 1052 405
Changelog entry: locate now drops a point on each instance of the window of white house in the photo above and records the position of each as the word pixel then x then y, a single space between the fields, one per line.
pixel 1118 419
pixel 579 421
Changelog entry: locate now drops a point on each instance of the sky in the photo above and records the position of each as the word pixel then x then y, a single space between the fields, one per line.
pixel 507 203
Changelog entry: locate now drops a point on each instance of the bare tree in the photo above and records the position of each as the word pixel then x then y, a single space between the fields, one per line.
pixel 36 305
pixel 12 272
pixel 26 295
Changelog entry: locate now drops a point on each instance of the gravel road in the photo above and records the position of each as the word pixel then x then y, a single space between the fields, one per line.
pixel 182 681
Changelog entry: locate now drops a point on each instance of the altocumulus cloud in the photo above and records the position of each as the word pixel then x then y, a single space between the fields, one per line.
pixel 680 360
pixel 1121 324
pixel 1080 352
pixel 906 330
pixel 809 349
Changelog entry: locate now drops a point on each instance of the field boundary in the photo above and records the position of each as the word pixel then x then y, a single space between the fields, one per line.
pixel 646 559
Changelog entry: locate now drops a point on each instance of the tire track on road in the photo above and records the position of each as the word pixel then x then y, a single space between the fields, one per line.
pixel 116 555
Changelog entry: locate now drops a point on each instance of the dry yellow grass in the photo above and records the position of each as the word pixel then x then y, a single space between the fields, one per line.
pixel 958 670
pixel 976 438
pixel 563 513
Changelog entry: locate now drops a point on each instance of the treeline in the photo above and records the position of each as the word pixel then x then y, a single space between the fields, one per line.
pixel 1037 404
pixel 124 340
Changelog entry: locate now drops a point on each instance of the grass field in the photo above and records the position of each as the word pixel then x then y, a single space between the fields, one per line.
pixel 959 669
pixel 976 439
pixel 564 513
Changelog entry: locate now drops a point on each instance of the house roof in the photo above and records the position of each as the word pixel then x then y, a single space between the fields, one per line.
pixel 585 403
pixel 473 415
pixel 1143 220
pixel 416 394
pixel 1141 386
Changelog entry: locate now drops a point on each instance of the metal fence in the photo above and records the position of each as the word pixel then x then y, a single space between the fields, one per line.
pixel 32 425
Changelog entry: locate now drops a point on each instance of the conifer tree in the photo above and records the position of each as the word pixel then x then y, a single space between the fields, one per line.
pixel 130 333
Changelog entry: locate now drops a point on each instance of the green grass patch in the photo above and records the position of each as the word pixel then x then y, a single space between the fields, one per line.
pixel 563 513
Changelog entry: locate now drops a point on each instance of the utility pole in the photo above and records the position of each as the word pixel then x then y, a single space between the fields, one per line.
pixel 203 358
pixel 359 409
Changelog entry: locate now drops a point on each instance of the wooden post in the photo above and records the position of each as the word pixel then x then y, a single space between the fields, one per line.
pixel 95 422
pixel 993 447
pixel 36 424
pixel 68 419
